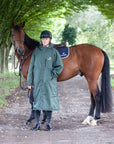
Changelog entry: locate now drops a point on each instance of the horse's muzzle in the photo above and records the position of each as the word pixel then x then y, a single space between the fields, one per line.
pixel 20 51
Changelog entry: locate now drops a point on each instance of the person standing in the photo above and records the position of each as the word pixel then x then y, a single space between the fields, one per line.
pixel 45 66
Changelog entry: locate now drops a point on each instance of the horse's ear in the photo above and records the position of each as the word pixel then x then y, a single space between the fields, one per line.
pixel 23 24
pixel 13 24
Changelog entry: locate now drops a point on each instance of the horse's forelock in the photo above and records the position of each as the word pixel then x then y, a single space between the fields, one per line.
pixel 17 28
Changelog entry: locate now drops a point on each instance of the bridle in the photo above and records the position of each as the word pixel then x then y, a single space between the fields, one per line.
pixel 16 40
pixel 23 58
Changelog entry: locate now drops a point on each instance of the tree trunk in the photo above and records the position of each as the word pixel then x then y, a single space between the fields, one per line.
pixel 4 53
pixel 1 60
pixel 6 58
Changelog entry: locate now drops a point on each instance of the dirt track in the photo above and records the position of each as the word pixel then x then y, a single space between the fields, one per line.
pixel 67 123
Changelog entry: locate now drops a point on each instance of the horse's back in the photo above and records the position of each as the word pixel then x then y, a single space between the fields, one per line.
pixel 83 49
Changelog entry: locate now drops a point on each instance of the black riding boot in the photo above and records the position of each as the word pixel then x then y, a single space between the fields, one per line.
pixel 48 123
pixel 44 117
pixel 37 118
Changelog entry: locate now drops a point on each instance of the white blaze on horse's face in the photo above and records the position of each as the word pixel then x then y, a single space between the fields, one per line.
pixel 18 41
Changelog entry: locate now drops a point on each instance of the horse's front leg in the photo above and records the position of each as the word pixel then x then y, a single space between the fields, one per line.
pixel 32 115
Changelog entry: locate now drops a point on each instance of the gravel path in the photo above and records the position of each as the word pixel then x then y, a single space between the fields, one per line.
pixel 67 123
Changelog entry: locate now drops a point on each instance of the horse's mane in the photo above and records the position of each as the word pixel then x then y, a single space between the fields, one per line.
pixel 31 43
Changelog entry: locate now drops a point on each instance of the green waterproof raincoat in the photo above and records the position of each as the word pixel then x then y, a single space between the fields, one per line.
pixel 45 66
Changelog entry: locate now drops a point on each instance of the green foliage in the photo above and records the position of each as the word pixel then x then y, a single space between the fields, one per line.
pixel 37 15
pixel 39 11
pixel 69 35
pixel 33 12
pixel 8 81
pixel 93 28
pixel 112 82
pixel 106 7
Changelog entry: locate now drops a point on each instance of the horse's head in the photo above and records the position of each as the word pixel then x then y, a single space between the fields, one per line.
pixel 18 38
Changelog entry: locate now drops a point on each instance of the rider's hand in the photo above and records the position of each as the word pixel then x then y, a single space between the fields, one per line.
pixel 29 87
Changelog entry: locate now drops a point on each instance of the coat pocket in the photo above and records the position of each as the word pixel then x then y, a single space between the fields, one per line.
pixel 48 70
pixel 48 62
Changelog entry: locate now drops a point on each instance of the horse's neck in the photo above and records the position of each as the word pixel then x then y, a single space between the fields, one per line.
pixel 27 50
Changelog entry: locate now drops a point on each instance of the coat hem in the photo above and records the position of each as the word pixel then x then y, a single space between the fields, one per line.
pixel 47 109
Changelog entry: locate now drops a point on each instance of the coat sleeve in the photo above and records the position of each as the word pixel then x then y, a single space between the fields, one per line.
pixel 57 65
pixel 30 76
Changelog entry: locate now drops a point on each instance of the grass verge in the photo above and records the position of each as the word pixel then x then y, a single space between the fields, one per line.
pixel 8 82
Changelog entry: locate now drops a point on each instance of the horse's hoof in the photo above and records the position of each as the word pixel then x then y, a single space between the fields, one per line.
pixel 87 120
pixel 48 127
pixel 27 123
pixel 93 122
pixel 37 127
pixel 43 122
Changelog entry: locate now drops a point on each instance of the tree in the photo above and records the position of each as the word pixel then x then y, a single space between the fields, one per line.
pixel 37 13
pixel 106 7
pixel 33 11
pixel 93 28
pixel 69 34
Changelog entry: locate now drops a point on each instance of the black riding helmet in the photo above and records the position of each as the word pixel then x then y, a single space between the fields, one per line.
pixel 46 34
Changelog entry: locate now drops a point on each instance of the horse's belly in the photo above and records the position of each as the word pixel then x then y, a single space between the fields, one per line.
pixel 67 73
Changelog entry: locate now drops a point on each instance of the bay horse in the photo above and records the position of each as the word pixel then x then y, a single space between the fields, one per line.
pixel 84 59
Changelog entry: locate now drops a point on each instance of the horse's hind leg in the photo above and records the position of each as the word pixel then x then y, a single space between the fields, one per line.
pixel 92 107
pixel 97 112
pixel 97 97
pixel 91 112
pixel 95 101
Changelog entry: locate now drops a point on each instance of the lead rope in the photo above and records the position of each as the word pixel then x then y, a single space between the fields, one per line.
pixel 15 67
pixel 20 73
pixel 21 67
pixel 28 93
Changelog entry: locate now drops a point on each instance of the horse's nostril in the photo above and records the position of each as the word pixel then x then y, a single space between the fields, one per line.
pixel 23 51
pixel 20 51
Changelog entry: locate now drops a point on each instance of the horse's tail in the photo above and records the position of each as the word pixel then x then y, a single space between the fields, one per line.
pixel 106 94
